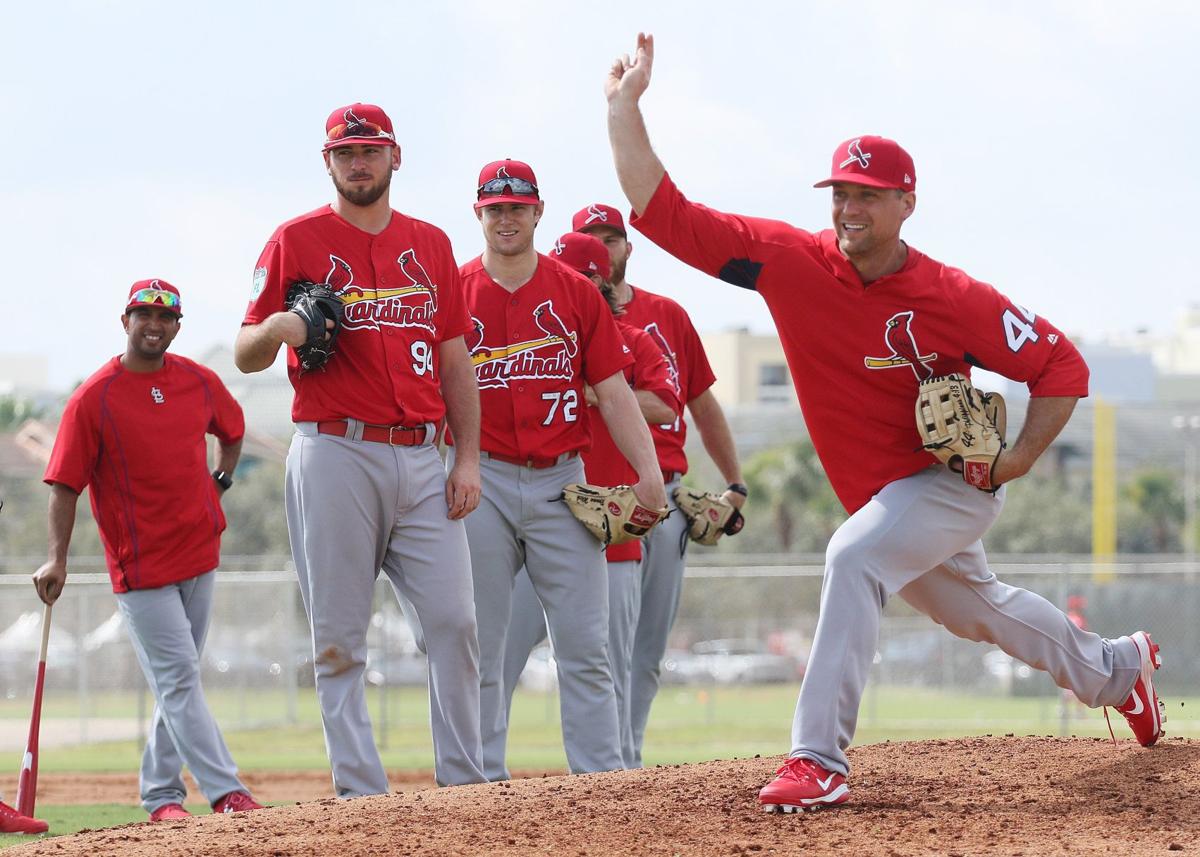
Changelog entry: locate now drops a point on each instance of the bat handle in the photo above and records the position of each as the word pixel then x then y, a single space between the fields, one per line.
pixel 45 632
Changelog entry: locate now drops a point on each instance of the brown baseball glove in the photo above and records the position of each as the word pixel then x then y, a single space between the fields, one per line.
pixel 612 515
pixel 709 515
pixel 963 427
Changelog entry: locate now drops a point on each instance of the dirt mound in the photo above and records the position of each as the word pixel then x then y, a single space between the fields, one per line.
pixel 1012 796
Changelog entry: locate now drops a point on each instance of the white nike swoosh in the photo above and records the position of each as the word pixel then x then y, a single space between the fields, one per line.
pixel 824 784
pixel 1138 708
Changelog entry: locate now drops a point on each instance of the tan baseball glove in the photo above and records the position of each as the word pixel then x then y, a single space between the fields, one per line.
pixel 963 427
pixel 709 515
pixel 613 515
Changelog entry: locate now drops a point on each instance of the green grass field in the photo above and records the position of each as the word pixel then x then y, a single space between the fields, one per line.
pixel 689 724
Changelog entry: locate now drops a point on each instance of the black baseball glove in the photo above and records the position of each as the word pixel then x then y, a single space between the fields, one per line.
pixel 316 302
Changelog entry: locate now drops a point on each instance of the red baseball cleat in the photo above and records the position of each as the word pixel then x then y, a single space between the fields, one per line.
pixel 1143 709
pixel 12 821
pixel 236 802
pixel 802 784
pixel 169 812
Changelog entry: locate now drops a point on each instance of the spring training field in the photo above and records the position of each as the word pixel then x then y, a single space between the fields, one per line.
pixel 688 724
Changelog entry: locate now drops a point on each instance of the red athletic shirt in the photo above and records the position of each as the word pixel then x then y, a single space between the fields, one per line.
pixel 136 439
pixel 857 353
pixel 668 324
pixel 403 298
pixel 533 350
pixel 603 463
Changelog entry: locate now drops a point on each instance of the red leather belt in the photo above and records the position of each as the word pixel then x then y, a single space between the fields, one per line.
pixel 391 435
pixel 534 461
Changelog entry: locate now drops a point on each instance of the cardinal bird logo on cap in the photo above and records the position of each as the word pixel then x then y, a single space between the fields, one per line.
pixel 854 150
pixel 898 335
pixel 354 125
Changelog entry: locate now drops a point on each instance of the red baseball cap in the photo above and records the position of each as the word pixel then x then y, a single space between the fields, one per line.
pixel 154 293
pixel 507 181
pixel 583 253
pixel 362 124
pixel 598 214
pixel 872 161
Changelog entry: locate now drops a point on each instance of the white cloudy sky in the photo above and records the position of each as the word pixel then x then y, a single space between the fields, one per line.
pixel 1054 141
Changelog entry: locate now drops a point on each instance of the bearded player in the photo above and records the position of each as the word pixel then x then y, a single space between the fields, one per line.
pixel 915 527
pixel 543 334
pixel 653 384
pixel 366 489
pixel 664 550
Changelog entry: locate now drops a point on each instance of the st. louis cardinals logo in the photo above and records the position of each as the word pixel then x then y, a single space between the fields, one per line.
pixel 546 356
pixel 595 214
pixel 412 304
pixel 672 364
pixel 854 150
pixel 502 173
pixel 898 335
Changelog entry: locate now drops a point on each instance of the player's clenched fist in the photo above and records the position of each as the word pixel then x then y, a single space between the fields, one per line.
pixel 630 78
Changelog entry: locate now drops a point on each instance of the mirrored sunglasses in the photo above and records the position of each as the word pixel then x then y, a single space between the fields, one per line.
pixel 155 296
pixel 518 187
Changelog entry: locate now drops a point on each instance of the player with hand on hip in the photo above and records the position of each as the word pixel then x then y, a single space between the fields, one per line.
pixel 134 434
pixel 653 384
pixel 366 489
pixel 668 324
pixel 543 333
pixel 865 318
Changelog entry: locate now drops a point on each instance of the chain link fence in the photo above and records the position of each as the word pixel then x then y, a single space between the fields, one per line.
pixel 743 620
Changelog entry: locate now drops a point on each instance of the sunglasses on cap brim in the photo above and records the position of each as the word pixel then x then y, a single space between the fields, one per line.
pixel 355 130
pixel 155 296
pixel 515 186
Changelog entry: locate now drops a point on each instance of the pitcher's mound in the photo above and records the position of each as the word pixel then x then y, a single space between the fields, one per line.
pixel 1012 796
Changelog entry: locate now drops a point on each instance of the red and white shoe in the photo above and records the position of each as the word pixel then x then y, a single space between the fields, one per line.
pixel 802 784
pixel 170 812
pixel 12 821
pixel 236 802
pixel 1143 709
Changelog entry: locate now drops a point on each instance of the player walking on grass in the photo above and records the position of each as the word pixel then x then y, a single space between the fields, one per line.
pixel 664 550
pixel 653 384
pixel 864 318
pixel 366 489
pixel 134 434
pixel 543 332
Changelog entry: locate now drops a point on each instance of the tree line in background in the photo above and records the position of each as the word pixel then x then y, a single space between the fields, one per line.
pixel 792 509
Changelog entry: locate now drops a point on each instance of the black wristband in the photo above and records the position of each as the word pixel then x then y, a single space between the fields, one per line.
pixel 738 488
pixel 223 479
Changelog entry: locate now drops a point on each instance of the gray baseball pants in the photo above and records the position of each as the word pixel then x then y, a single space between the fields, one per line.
pixel 527 628
pixel 663 557
pixel 920 537
pixel 167 626
pixel 355 508
pixel 520 521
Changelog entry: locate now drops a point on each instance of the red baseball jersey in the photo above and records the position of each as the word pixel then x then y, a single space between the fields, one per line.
pixel 403 299
pixel 857 353
pixel 668 325
pixel 533 350
pixel 136 439
pixel 603 463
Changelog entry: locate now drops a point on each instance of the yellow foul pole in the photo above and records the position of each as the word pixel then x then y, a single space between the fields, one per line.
pixel 1104 489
